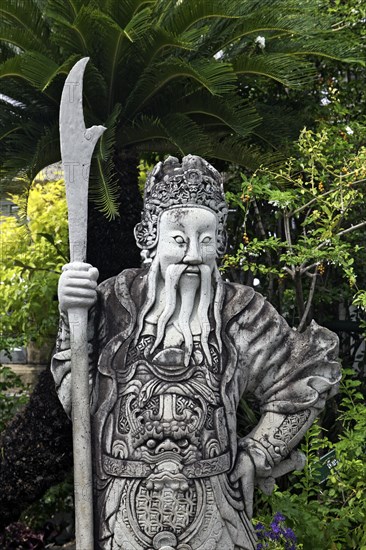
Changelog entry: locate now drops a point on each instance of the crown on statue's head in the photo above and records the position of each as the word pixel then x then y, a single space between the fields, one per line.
pixel 170 185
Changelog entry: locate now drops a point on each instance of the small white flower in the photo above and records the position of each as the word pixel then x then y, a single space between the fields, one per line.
pixel 219 54
pixel 349 130
pixel 324 101
pixel 260 41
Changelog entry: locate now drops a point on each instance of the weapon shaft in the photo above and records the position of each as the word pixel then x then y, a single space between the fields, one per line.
pixel 83 479
pixel 77 146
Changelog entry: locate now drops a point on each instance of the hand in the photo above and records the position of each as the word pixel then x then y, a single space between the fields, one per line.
pixel 244 471
pixel 77 286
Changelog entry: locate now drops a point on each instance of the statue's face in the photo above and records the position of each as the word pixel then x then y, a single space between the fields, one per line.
pixel 188 236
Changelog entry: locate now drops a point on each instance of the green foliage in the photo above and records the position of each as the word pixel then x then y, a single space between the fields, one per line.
pixel 330 514
pixel 13 395
pixel 297 219
pixel 164 76
pixel 34 248
pixel 56 506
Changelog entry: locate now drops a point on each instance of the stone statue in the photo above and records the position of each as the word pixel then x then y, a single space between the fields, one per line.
pixel 172 348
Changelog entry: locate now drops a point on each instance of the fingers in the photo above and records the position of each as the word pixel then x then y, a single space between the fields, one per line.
pixel 77 292
pixel 75 280
pixel 244 472
pixel 77 266
pixel 94 273
pixel 243 461
pixel 247 486
pixel 77 286
pixel 80 270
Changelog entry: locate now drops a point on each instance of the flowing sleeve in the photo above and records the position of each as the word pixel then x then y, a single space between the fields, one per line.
pixel 61 360
pixel 286 371
pixel 290 374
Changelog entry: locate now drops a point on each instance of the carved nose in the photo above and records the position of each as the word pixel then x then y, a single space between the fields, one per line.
pixel 193 255
pixel 192 260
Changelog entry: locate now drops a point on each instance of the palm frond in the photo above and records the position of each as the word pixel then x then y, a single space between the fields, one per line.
pixel 217 78
pixel 183 15
pixel 144 129
pixel 34 67
pixel 63 11
pixel 77 35
pixel 107 142
pixel 104 189
pixel 186 135
pixel 29 21
pixel 117 42
pixel 237 151
pixel 23 40
pixel 123 12
pixel 178 130
pixel 325 46
pixel 265 22
pixel 289 71
pixel 234 113
pixel 47 151
pixel 21 145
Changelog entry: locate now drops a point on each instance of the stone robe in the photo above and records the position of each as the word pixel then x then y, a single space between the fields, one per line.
pixel 289 374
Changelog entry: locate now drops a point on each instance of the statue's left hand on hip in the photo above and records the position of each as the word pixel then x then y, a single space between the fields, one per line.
pixel 244 472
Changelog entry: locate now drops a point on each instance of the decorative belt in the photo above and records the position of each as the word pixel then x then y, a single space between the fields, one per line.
pixel 119 467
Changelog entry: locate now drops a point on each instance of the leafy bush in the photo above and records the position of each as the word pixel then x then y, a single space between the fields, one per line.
pixel 328 512
pixel 34 248
pixel 53 513
pixel 13 395
pixel 20 537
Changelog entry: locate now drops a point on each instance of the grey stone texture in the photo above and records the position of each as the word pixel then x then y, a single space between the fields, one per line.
pixel 172 349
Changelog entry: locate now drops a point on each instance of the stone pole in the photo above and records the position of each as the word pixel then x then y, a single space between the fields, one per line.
pixel 77 145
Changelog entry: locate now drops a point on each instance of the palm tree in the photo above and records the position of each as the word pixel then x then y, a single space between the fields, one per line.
pixel 166 76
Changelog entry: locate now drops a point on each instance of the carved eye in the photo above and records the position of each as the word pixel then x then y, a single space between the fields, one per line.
pixel 179 239
pixel 206 240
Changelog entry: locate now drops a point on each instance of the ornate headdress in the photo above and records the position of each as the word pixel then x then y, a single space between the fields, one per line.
pixel 171 184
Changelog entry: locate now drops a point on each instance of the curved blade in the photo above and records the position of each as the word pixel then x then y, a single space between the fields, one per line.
pixel 77 145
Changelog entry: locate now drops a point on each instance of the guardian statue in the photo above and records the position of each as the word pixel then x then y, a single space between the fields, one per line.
pixel 172 350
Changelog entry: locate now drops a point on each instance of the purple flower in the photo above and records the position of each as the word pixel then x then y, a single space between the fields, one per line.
pixel 289 534
pixel 273 535
pixel 277 532
pixel 275 528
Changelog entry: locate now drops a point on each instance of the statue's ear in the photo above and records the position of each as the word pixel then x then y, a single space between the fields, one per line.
pixel 138 232
pixel 146 233
pixel 147 257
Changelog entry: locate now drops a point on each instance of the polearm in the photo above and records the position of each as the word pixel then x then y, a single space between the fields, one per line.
pixel 77 146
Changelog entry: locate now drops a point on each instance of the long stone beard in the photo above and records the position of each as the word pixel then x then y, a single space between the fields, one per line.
pixel 191 289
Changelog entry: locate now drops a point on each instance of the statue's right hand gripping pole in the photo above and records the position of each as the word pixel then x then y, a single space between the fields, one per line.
pixel 77 146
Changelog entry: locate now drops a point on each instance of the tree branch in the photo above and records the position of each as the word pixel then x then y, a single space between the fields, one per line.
pixel 343 232
pixel 299 293
pixel 315 199
pixel 308 303
pixel 267 253
pixel 352 228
